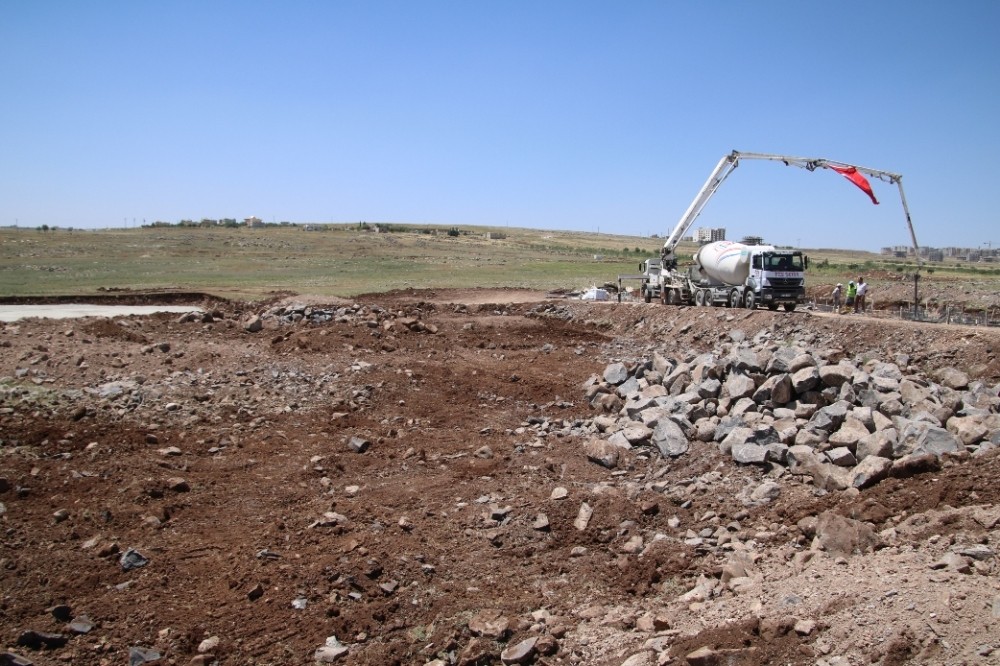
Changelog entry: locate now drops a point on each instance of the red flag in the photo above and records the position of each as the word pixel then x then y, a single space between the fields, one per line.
pixel 856 177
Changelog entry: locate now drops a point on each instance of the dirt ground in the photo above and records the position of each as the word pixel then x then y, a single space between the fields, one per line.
pixel 404 476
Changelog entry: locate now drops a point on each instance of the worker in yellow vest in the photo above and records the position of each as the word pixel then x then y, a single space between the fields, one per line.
pixel 852 293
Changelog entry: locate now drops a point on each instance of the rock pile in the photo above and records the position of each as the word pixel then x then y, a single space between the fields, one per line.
pixel 809 412
pixel 372 316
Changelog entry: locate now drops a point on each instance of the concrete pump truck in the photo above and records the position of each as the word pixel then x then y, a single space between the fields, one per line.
pixel 738 275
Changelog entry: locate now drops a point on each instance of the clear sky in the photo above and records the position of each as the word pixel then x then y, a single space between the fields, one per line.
pixel 589 116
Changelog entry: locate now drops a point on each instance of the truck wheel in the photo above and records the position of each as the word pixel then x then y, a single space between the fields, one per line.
pixel 734 298
pixel 750 300
pixel 672 297
pixel 789 307
pixel 772 307
pixel 699 298
pixel 648 296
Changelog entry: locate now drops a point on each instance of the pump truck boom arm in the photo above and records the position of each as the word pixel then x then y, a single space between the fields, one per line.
pixel 732 160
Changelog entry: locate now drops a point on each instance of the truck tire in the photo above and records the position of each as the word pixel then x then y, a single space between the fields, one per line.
pixel 750 300
pixel 789 307
pixel 647 296
pixel 773 307
pixel 734 298
pixel 671 296
pixel 699 297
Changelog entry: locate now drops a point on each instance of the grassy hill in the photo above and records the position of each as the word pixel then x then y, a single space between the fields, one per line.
pixel 339 260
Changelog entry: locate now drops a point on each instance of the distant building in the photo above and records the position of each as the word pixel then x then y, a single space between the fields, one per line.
pixel 709 234
pixel 253 222
pixel 495 235
pixel 753 240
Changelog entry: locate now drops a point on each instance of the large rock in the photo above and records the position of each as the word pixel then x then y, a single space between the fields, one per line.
pixel 602 452
pixel 968 429
pixel 836 375
pixel 739 386
pixel 879 443
pixel 870 471
pixel 744 360
pixel 805 379
pixel 615 373
pixel 831 417
pixel 776 389
pixel 953 378
pixel 840 536
pixel 669 438
pixel 849 433
pixel 919 437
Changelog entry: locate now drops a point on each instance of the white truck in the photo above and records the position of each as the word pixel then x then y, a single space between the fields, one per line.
pixel 733 275
pixel 737 275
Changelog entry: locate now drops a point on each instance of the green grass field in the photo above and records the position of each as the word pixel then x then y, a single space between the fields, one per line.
pixel 346 261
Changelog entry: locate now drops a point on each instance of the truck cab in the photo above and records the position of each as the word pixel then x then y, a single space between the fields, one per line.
pixel 778 278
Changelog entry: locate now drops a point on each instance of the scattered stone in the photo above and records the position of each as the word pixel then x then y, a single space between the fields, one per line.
pixel 256 592
pixel 37 640
pixel 583 517
pixel 330 651
pixel 81 625
pixel 358 444
pixel 140 655
pixel 132 559
pixel 208 645
pixel 178 485
pixel 489 623
pixel 521 653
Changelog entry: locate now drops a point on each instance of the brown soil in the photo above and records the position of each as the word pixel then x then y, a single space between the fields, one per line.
pixel 402 550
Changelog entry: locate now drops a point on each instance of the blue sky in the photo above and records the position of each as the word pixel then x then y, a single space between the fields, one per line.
pixel 589 116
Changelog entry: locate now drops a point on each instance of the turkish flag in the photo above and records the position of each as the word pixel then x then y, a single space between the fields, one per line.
pixel 856 177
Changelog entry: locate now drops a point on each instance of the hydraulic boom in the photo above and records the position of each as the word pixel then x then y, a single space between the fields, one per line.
pixel 729 162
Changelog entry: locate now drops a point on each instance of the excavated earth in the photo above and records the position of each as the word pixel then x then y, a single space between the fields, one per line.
pixel 398 479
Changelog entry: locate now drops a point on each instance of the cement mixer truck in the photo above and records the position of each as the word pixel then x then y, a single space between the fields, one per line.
pixel 731 274
pixel 738 275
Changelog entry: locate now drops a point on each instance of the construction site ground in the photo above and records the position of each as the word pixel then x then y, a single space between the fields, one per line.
pixel 386 485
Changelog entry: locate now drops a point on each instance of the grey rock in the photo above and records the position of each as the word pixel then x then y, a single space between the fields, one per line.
pixel 749 453
pixel 969 430
pixel 829 418
pixel 879 443
pixel 132 559
pixel 602 452
pixel 781 360
pixel 841 456
pixel 953 378
pixel 358 444
pixel 835 375
pixel 739 386
pixel 838 535
pixel 870 471
pixel 331 651
pixel 768 491
pixel 744 360
pixel 615 373
pixel 140 655
pixel 805 379
pixel 917 438
pixel 670 439
pixel 628 388
pixel 520 653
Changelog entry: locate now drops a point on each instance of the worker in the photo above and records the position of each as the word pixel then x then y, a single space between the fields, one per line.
pixel 859 302
pixel 837 294
pixel 852 293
